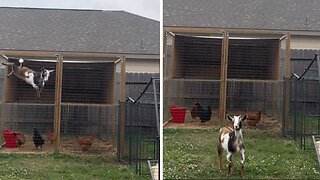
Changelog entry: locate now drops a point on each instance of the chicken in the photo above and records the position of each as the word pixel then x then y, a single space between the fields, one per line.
pixel 204 115
pixel 86 142
pixel 50 136
pixel 253 118
pixel 20 138
pixel 194 111
pixel 37 138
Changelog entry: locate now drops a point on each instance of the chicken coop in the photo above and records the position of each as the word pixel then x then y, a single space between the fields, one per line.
pixel 78 100
pixel 226 71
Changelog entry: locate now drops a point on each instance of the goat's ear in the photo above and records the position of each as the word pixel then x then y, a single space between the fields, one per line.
pixel 229 117
pixel 51 70
pixel 244 117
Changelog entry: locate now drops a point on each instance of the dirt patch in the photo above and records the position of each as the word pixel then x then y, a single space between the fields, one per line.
pixel 266 122
pixel 68 145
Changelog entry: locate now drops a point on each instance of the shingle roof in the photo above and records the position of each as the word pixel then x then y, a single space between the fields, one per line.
pixel 77 31
pixel 248 14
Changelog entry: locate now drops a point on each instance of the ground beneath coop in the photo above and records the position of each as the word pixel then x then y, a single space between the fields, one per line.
pixel 68 145
pixel 266 122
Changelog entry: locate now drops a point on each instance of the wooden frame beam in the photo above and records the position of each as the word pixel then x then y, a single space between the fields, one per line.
pixel 4 101
pixel 57 106
pixel 122 106
pixel 223 82
pixel 220 30
pixel 287 85
pixel 52 54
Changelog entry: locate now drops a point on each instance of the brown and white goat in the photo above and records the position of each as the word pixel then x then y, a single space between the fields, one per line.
pixel 231 140
pixel 36 79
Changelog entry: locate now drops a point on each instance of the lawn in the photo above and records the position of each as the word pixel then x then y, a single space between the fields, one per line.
pixel 191 153
pixel 62 166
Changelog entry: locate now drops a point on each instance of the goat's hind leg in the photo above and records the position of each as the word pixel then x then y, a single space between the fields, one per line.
pixel 229 156
pixel 220 151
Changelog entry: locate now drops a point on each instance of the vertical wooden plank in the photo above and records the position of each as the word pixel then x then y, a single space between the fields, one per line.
pixel 223 78
pixel 4 101
pixel 11 116
pixel 170 75
pixel 279 91
pixel 114 82
pixel 99 121
pixel 318 59
pixel 123 80
pixel 273 111
pixel 107 124
pixel 164 49
pixel 287 85
pixel 122 107
pixel 57 107
pixel 113 117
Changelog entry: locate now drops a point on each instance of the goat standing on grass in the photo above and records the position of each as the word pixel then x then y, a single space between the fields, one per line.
pixel 231 140
pixel 36 79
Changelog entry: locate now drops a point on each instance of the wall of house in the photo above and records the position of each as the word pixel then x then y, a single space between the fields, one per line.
pixel 143 65
pixel 305 42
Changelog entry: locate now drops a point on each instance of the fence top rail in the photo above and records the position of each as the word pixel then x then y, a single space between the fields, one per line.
pixel 63 104
pixel 193 80
pixel 254 80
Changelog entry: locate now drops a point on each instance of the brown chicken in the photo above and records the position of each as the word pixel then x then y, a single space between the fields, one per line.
pixel 50 137
pixel 20 138
pixel 194 111
pixel 253 118
pixel 86 142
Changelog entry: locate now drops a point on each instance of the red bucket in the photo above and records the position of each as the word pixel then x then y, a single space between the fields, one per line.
pixel 178 114
pixel 10 139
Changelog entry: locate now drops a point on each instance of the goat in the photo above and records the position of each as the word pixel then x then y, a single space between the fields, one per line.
pixel 231 140
pixel 36 79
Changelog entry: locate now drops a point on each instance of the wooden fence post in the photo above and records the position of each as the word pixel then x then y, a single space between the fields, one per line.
pixel 57 105
pixel 223 78
pixel 287 86
pixel 4 101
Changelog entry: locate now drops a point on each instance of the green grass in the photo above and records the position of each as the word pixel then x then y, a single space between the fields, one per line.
pixel 62 166
pixel 191 153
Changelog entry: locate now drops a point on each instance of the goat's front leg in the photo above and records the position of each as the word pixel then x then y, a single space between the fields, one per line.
pixel 10 73
pixel 35 86
pixel 220 150
pixel 242 157
pixel 229 156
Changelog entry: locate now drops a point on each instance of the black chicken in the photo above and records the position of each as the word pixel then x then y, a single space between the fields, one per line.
pixel 204 115
pixel 37 138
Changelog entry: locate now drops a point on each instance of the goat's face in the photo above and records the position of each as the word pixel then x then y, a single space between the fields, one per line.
pixel 237 120
pixel 45 73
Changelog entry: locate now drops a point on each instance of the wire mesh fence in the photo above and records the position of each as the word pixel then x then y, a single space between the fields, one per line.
pixel 230 72
pixel 140 140
pixel 304 112
pixel 141 137
pixel 84 115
